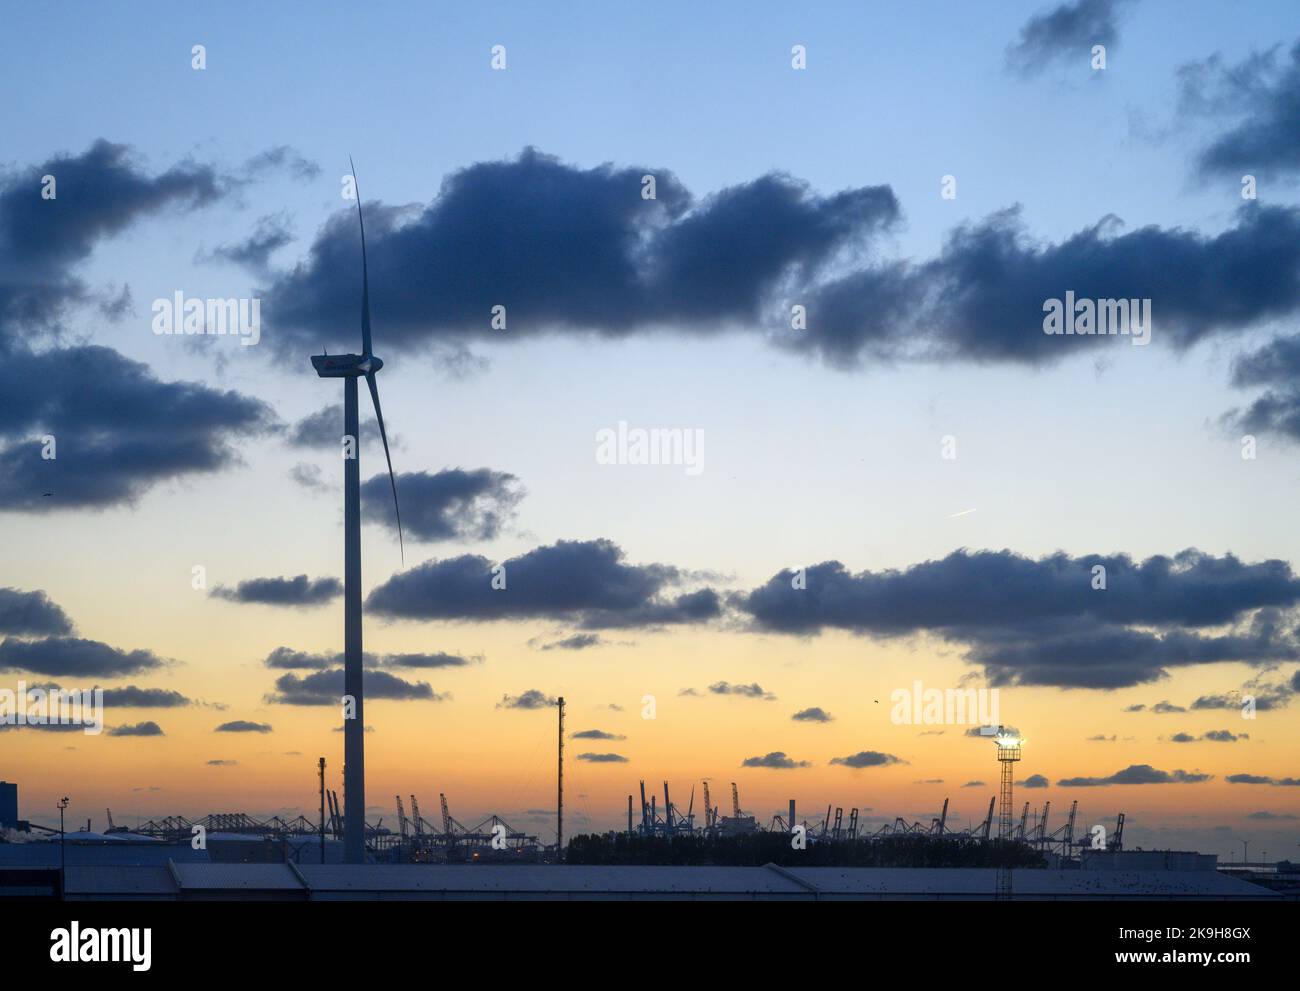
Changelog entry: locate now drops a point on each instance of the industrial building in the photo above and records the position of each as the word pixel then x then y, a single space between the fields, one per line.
pixel 173 881
pixel 8 805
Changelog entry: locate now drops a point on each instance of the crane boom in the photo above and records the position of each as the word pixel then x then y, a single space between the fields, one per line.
pixel 446 815
pixel 401 817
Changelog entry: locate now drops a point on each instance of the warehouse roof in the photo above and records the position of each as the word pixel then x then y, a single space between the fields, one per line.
pixel 536 881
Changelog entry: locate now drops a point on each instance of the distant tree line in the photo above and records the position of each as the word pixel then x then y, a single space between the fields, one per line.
pixel 757 849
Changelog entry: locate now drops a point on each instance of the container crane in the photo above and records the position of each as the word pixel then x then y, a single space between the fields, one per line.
pixel 403 827
pixel 988 821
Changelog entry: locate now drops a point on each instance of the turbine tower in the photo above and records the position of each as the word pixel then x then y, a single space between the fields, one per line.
pixel 351 367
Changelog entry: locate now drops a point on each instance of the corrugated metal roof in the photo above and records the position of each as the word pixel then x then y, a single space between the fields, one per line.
pixel 536 881
pixel 46 854
pixel 155 881
pixel 1030 883
pixel 537 878
pixel 232 877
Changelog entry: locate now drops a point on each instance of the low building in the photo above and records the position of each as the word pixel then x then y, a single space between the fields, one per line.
pixel 175 881
pixel 1148 860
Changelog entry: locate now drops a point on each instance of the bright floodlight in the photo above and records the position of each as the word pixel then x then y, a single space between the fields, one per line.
pixel 1003 736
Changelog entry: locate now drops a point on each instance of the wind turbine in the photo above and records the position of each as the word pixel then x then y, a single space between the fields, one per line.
pixel 351 367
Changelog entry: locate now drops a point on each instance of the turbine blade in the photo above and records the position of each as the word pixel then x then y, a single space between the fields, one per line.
pixel 383 434
pixel 365 274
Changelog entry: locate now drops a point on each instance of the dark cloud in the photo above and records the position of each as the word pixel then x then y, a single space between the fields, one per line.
pixel 1066 32
pixel 433 660
pixel 1277 410
pixel 243 726
pixel 1224 736
pixel 324 429
pixel 1137 774
pixel 570 249
pixel 776 760
pixel 603 758
pixel 1258 99
pixel 1266 698
pixel 1072 655
pixel 1271 815
pixel 147 728
pixel 750 691
pixel 1261 779
pixel 981 300
pixel 282 157
pixel 690 607
pixel 297 591
pixel 531 699
pixel 1041 622
pixel 309 476
pixel 868 758
pixel 286 658
pixel 131 697
pixel 100 193
pixel 253 253
pixel 578 251
pixel 74 656
pixel 1034 781
pixel 326 688
pixel 584 582
pixel 31 614
pixel 222 763
pixel 597 734
pixel 968 590
pixel 1277 363
pixel 118 429
pixel 118 307
pixel 973 784
pixel 815 714
pixel 579 641
pixel 453 504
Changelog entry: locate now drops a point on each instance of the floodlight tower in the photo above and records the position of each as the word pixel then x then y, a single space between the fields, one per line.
pixel 1008 742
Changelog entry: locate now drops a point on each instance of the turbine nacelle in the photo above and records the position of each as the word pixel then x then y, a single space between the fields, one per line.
pixel 364 365
pixel 342 366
